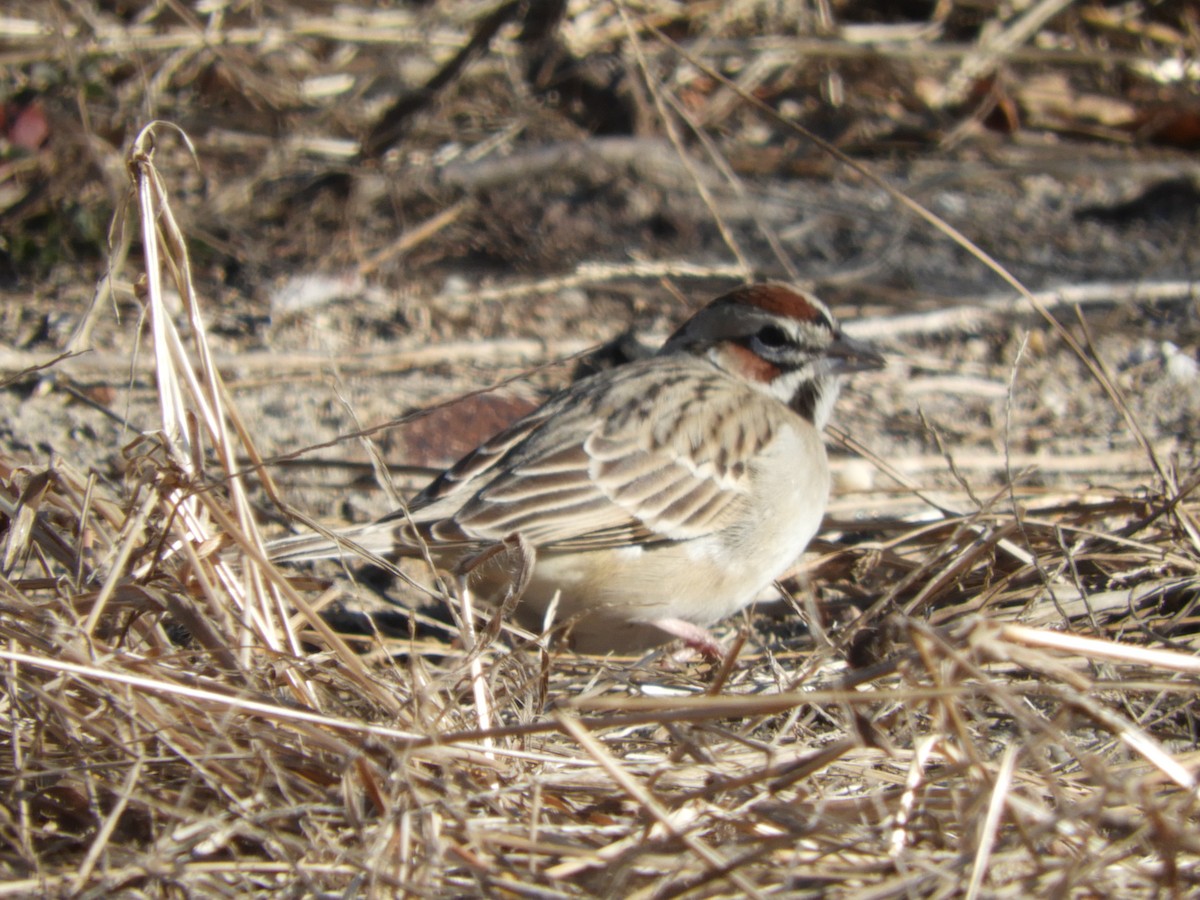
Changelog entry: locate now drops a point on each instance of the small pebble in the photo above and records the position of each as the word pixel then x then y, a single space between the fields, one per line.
pixel 857 475
pixel 1180 366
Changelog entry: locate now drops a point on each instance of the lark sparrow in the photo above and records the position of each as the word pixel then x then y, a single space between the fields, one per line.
pixel 652 499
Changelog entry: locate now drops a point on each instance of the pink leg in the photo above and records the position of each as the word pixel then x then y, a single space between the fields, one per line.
pixel 693 635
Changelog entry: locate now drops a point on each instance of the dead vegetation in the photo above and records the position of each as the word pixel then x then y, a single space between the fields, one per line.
pixel 984 682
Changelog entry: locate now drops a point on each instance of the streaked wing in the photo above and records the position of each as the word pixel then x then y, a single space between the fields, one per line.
pixel 668 462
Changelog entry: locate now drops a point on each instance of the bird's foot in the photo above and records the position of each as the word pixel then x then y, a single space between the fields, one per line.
pixel 693 636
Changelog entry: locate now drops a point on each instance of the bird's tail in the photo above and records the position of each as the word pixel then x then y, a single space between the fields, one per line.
pixel 375 539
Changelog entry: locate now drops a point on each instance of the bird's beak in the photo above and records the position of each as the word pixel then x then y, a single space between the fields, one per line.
pixel 848 355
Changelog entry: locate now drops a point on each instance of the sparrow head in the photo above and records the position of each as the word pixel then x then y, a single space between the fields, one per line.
pixel 781 340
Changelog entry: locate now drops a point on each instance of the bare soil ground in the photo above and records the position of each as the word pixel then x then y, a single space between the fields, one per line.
pixel 404 226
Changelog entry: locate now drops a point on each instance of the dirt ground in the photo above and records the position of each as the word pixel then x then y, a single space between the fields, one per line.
pixel 305 348
pixel 319 271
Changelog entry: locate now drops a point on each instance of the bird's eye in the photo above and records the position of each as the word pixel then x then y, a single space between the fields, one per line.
pixel 773 337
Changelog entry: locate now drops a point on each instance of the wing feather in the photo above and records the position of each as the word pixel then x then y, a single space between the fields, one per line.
pixel 610 463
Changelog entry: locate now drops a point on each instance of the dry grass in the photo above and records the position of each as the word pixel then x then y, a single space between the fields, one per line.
pixel 994 697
